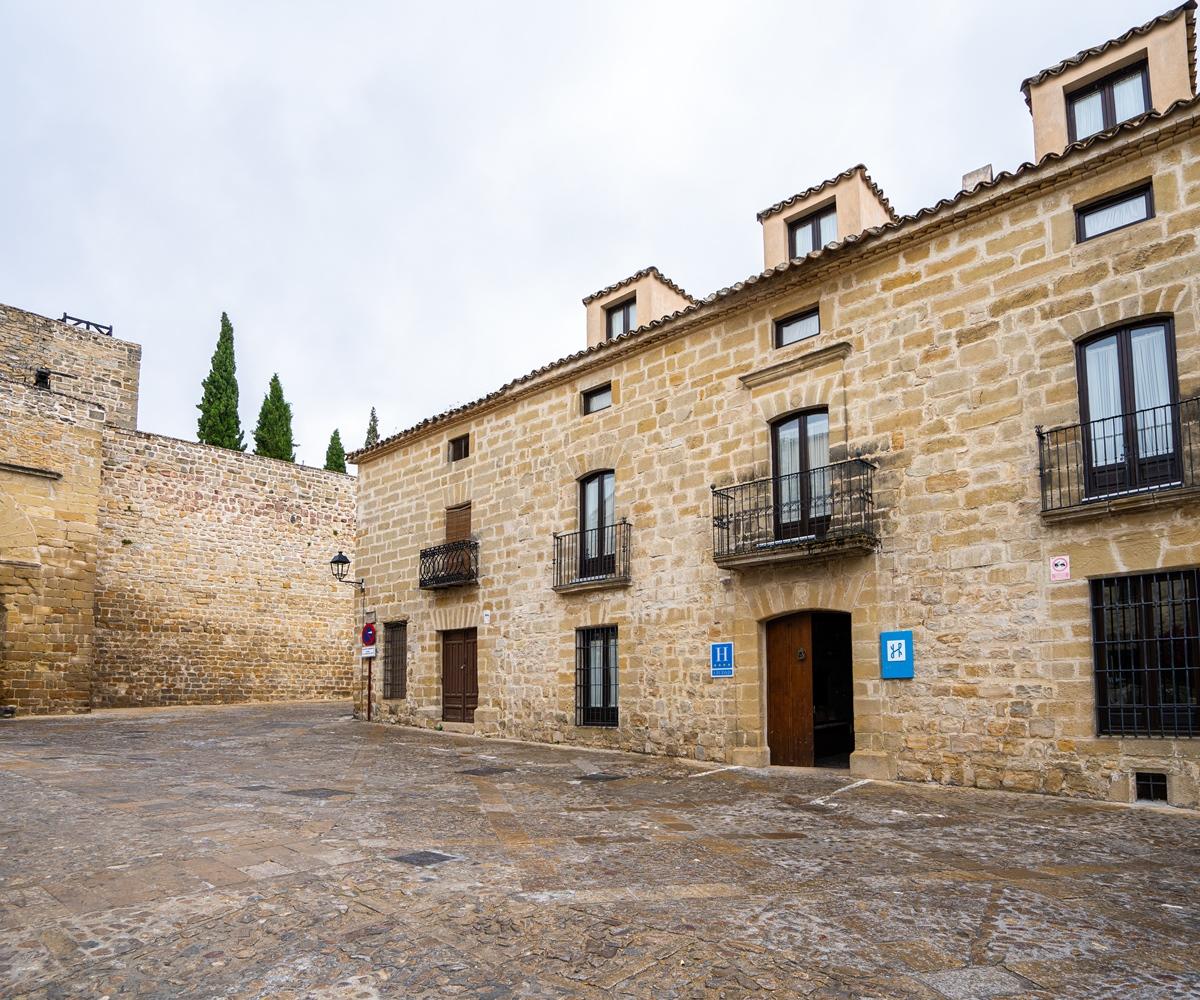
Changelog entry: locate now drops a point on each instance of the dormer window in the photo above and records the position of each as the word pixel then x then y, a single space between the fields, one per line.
pixel 1109 101
pixel 621 318
pixel 813 231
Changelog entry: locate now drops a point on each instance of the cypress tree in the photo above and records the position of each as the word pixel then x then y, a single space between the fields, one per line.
pixel 335 454
pixel 273 435
pixel 372 430
pixel 219 423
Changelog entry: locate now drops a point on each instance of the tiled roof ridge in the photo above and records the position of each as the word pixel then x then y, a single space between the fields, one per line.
pixel 651 270
pixel 779 206
pixel 1095 50
pixel 895 224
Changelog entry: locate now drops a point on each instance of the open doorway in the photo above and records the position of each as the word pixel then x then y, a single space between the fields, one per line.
pixel 810 691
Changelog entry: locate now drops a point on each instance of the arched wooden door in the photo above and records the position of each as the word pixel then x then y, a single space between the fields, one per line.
pixel 790 690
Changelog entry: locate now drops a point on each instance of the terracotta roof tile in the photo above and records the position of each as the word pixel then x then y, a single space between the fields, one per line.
pixel 833 249
pixel 1095 50
pixel 651 270
pixel 779 206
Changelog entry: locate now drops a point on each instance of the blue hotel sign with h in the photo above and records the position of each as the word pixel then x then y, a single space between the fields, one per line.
pixel 720 659
pixel 896 654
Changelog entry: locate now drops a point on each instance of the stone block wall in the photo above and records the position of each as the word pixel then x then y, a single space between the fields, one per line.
pixel 943 346
pixel 213 580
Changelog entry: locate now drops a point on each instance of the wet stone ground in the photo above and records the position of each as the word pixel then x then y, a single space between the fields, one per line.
pixel 288 851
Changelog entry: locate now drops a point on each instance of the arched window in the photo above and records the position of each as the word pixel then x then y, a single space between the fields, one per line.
pixel 1128 390
pixel 597 523
pixel 801 482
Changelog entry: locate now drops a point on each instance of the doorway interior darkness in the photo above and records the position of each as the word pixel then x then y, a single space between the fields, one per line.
pixel 810 692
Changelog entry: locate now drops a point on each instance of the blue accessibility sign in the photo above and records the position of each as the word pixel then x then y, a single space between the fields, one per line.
pixel 896 654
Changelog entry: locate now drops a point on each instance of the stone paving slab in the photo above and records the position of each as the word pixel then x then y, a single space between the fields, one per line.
pixel 288 851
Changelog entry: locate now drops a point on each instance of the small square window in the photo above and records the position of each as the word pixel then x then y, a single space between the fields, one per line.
pixel 599 398
pixel 1115 212
pixel 812 232
pixel 1106 103
pixel 1151 786
pixel 801 326
pixel 459 448
pixel 621 318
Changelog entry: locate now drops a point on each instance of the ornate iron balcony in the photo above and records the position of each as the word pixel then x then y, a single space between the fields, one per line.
pixel 593 558
pixel 453 564
pixel 801 515
pixel 1134 454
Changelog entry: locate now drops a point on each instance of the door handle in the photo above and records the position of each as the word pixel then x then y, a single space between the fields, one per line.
pixel 801 655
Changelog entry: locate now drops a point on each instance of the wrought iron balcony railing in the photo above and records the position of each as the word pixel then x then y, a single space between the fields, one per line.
pixel 450 565
pixel 1128 455
pixel 596 556
pixel 797 515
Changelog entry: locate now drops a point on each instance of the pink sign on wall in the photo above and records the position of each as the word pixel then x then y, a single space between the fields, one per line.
pixel 1060 568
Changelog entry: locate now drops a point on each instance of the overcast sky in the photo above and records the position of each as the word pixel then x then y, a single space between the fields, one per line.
pixel 401 205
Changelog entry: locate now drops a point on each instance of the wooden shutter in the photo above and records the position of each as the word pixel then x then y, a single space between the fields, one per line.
pixel 458 523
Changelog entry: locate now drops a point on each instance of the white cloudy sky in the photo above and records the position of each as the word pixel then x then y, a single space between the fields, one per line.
pixel 402 204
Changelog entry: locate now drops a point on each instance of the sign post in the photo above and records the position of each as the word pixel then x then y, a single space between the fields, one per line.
pixel 368 654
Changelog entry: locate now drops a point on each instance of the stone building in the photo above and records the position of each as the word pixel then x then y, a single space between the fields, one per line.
pixel 137 569
pixel 963 443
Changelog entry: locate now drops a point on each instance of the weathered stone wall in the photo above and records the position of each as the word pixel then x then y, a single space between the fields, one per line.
pixel 86 365
pixel 49 491
pixel 213 582
pixel 958 340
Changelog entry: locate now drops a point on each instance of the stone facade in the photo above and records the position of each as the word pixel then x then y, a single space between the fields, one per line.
pixel 137 569
pixel 946 340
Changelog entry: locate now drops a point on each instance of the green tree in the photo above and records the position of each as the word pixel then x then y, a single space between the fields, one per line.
pixel 273 435
pixel 219 423
pixel 372 430
pixel 335 454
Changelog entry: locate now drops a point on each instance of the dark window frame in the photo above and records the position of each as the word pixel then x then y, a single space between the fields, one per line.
pixel 395 660
pixel 453 447
pixel 793 317
pixel 807 525
pixel 1094 484
pixel 1146 188
pixel 1108 111
pixel 588 395
pixel 603 563
pixel 623 309
pixel 810 220
pixel 1129 658
pixel 608 714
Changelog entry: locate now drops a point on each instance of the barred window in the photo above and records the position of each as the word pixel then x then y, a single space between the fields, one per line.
pixel 596 676
pixel 1146 638
pixel 395 659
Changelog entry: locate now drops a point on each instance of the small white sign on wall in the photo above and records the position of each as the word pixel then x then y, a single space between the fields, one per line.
pixel 1060 568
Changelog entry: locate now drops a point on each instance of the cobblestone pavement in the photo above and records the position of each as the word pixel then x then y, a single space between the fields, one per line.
pixel 289 851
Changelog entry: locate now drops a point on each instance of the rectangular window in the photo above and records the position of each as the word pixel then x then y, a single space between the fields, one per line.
pixel 1109 101
pixel 458 523
pixel 813 231
pixel 596 676
pixel 395 659
pixel 599 398
pixel 621 318
pixel 459 448
pixel 1113 213
pixel 1146 646
pixel 793 329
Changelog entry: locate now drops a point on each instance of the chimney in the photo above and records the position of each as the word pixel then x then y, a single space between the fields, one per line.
pixel 982 175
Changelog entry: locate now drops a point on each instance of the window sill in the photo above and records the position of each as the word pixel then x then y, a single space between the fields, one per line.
pixel 597 583
pixel 1089 509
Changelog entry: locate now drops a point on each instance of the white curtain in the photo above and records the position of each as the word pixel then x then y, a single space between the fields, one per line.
pixel 818 463
pixel 596 672
pixel 787 454
pixel 804 241
pixel 1129 97
pixel 1089 115
pixel 612 671
pixel 1114 216
pixel 1151 391
pixel 1104 402
pixel 829 228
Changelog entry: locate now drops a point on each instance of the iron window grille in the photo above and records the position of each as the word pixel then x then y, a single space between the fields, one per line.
pixel 812 232
pixel 594 555
pixel 596 676
pixel 459 448
pixel 621 318
pixel 1114 212
pixel 599 398
pixel 395 659
pixel 801 326
pixel 450 565
pixel 1146 648
pixel 1113 99
pixel 1151 786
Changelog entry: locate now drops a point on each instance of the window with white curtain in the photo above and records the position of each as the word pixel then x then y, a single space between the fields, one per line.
pixel 800 326
pixel 1115 212
pixel 1109 101
pixel 812 232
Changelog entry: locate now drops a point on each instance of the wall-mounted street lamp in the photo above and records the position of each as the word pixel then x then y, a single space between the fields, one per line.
pixel 339 565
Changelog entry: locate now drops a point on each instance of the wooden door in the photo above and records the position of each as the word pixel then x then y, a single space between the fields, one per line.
pixel 460 676
pixel 790 690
